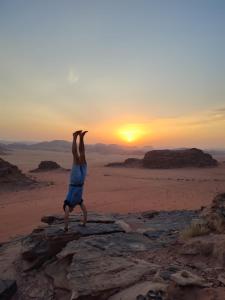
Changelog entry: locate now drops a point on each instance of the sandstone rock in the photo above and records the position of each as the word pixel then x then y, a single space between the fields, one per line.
pixel 186 278
pixel 165 275
pixel 44 243
pixel 11 176
pixel 101 273
pixel 214 215
pixel 47 165
pixel 92 218
pixel 97 266
pixel 7 289
pixel 167 159
pixel 138 290
pixel 126 227
pixel 173 220
pixel 58 270
pixel 115 244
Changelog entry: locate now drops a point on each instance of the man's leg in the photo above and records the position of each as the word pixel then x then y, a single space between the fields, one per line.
pixel 84 211
pixel 76 158
pixel 82 148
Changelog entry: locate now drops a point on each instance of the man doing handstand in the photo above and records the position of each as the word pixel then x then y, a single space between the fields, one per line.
pixel 77 178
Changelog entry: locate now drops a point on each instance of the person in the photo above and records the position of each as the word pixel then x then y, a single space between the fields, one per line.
pixel 77 178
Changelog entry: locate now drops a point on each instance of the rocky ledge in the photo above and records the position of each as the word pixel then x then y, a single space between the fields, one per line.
pixel 153 255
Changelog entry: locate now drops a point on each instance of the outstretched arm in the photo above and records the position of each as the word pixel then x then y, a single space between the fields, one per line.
pixel 66 218
pixel 84 210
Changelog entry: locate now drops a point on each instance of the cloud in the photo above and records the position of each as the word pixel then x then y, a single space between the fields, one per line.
pixel 209 117
pixel 72 77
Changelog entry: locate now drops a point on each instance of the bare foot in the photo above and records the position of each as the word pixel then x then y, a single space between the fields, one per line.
pixel 76 133
pixel 82 134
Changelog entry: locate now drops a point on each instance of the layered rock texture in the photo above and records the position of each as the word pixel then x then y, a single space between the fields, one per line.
pixel 118 257
pixel 168 159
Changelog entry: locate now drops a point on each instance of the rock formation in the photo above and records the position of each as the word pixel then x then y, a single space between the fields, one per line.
pixel 214 215
pixel 116 257
pixel 12 177
pixel 47 165
pixel 168 159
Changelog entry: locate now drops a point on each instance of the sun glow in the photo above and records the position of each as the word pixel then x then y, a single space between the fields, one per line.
pixel 130 133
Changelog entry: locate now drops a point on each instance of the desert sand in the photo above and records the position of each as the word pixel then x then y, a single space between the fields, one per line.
pixel 118 190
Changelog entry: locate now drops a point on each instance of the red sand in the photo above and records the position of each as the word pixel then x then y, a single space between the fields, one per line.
pixel 106 190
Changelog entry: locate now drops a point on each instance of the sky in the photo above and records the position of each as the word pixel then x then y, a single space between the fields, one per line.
pixel 140 72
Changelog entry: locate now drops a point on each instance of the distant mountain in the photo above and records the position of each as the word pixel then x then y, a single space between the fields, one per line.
pixel 61 145
pixel 113 149
pixel 16 146
pixel 56 145
pixel 3 149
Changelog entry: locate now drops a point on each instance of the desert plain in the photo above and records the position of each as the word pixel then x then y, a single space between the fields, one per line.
pixel 107 189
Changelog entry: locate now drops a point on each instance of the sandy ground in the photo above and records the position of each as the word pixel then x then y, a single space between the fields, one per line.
pixel 106 190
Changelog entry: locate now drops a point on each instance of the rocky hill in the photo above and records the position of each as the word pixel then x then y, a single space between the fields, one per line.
pixel 136 256
pixel 47 165
pixel 11 177
pixel 168 159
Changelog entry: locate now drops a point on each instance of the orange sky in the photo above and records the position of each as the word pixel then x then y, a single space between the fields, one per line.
pixel 134 72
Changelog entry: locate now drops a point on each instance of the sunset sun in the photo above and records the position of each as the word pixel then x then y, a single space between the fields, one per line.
pixel 130 133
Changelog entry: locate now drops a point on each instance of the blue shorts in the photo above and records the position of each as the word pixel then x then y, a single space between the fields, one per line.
pixel 75 192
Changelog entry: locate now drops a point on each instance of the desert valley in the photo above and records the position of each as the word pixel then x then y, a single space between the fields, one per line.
pixel 107 189
pixel 152 233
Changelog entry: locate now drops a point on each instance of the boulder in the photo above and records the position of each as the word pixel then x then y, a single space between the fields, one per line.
pixel 47 165
pixel 186 278
pixel 168 159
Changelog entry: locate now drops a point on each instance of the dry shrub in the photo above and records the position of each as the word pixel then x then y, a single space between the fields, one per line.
pixel 197 228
